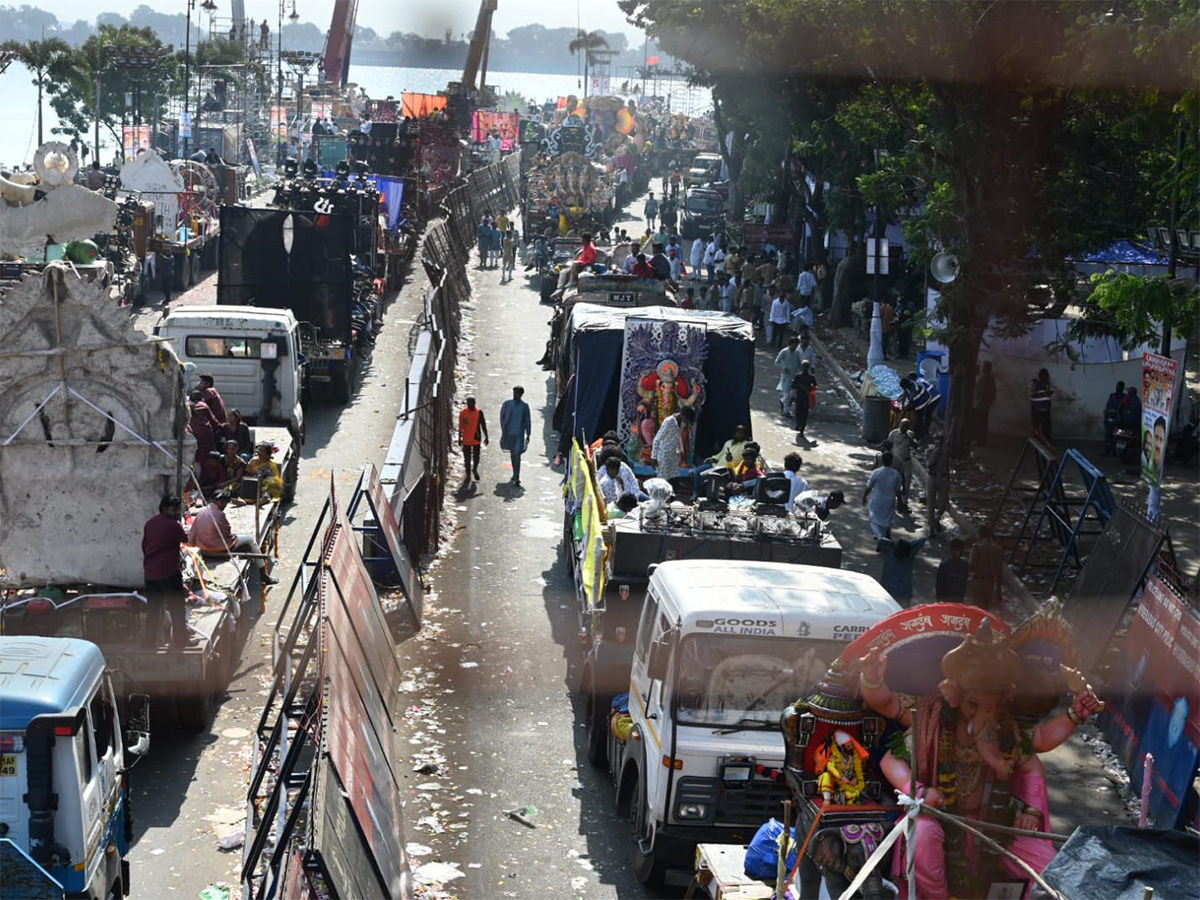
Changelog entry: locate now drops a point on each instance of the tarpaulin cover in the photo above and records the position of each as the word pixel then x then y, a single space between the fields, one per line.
pixel 417 106
pixel 594 339
pixel 1118 863
pixel 393 191
pixel 1125 253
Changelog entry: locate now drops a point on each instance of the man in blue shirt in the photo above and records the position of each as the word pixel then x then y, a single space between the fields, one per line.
pixel 515 430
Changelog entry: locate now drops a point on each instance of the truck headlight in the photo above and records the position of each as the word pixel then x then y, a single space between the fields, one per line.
pixel 691 811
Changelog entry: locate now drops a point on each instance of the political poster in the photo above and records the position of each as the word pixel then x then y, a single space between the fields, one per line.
pixel 1159 374
pixel 1163 655
pixel 134 138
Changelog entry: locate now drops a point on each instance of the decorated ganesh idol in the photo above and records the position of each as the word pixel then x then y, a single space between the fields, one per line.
pixel 973 737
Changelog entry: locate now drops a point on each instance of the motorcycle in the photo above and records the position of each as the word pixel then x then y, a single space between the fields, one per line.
pixel 1125 442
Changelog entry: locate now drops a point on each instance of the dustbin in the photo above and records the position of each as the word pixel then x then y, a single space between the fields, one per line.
pixel 876 416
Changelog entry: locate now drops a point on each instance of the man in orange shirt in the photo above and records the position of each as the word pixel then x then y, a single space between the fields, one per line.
pixel 585 258
pixel 472 428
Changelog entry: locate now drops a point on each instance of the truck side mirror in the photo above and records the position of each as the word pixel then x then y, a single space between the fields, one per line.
pixel 660 657
pixel 138 717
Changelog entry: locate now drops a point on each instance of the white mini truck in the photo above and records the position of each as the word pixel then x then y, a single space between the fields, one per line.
pixel 722 647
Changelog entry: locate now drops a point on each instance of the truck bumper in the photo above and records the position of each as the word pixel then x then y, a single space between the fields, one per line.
pixel 676 844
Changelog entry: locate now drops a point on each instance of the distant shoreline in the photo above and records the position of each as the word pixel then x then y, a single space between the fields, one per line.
pixel 384 58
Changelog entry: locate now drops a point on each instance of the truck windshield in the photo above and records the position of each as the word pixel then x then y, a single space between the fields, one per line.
pixel 724 680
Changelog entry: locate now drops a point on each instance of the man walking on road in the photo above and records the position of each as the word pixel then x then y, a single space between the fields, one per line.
pixel 987 572
pixel 883 487
pixel 166 275
pixel 787 361
pixel 650 210
pixel 472 428
pixel 901 439
pixel 937 486
pixel 515 429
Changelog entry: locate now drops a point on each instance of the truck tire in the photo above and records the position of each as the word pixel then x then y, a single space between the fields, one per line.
pixel 343 385
pixel 195 710
pixel 646 866
pixel 598 707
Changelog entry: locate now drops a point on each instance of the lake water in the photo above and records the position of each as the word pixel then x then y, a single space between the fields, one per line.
pixel 18 97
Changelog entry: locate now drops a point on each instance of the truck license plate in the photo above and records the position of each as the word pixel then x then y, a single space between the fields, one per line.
pixel 621 298
pixel 8 765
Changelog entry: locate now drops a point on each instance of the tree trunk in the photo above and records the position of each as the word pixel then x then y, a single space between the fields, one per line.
pixel 963 343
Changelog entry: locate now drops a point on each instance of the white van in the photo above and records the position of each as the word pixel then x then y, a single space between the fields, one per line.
pixel 705 167
pixel 253 354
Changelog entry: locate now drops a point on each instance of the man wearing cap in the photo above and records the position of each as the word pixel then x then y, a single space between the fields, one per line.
pixel 472 428
pixel 515 430
pixel 161 538
pixel 212 533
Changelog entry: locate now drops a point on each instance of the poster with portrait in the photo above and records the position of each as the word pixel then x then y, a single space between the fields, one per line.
pixel 1158 394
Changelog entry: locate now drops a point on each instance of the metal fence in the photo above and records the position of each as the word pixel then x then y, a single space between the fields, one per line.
pixel 415 469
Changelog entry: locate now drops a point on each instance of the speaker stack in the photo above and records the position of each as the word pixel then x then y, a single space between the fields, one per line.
pixel 383 151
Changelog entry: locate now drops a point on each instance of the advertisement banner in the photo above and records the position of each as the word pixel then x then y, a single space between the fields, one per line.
pixel 505 124
pixel 134 138
pixel 1162 713
pixel 601 86
pixel 1158 395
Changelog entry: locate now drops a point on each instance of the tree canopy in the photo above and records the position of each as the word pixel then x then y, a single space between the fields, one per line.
pixel 1011 134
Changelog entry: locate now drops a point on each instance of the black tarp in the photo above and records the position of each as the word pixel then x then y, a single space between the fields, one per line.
pixel 314 280
pixel 1118 863
pixel 1108 581
pixel 594 339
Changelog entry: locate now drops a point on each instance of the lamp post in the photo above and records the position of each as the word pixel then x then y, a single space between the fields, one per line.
pixel 138 59
pixel 281 139
pixel 185 119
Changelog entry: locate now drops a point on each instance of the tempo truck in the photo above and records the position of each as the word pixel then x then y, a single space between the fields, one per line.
pixel 721 648
pixel 64 769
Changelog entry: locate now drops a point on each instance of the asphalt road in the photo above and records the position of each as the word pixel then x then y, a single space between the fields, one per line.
pixel 191 788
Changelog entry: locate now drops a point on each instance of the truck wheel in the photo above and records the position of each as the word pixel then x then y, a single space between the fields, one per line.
pixel 343 385
pixel 647 868
pixel 195 710
pixel 597 723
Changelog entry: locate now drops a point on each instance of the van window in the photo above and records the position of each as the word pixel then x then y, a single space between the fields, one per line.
pixel 198 347
pixel 102 723
pixel 83 754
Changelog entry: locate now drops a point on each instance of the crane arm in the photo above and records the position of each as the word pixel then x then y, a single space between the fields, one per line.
pixel 479 42
pixel 338 41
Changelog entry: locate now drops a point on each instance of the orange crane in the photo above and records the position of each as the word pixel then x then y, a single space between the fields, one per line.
pixel 477 52
pixel 338 41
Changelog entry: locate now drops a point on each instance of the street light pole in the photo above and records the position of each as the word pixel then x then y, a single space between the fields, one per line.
pixel 185 120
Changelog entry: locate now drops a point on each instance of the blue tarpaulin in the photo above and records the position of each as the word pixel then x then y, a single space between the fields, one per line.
pixel 1126 254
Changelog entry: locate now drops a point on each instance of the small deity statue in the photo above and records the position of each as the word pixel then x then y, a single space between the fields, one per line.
pixel 840 761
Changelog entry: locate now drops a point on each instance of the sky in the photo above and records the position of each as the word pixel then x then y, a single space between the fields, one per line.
pixel 429 17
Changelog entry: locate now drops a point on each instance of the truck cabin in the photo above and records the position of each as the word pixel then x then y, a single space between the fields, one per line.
pixel 620 291
pixel 62 760
pixel 734 644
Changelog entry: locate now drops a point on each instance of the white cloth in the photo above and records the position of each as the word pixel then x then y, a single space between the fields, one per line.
pixel 781 311
pixel 787 361
pixel 799 486
pixel 697 255
pixel 612 488
pixel 806 283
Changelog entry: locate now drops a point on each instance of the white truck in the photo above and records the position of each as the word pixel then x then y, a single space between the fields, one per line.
pixel 64 770
pixel 253 355
pixel 722 647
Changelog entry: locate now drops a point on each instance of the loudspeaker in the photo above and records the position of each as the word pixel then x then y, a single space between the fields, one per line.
pixel 944 267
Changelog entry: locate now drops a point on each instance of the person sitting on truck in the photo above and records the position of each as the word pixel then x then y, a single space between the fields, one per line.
pixel 212 533
pixel 238 432
pixel 747 472
pixel 641 268
pixel 668 451
pixel 625 504
pixel 161 538
pixel 615 479
pixel 791 469
pixel 266 469
pixel 583 259
pixel 233 468
pixel 213 398
pixel 212 471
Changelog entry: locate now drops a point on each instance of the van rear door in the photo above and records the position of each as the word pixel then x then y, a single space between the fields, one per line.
pixel 12 786
pixel 235 362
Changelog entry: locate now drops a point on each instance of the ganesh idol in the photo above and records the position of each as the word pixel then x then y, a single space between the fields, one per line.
pixel 973 748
